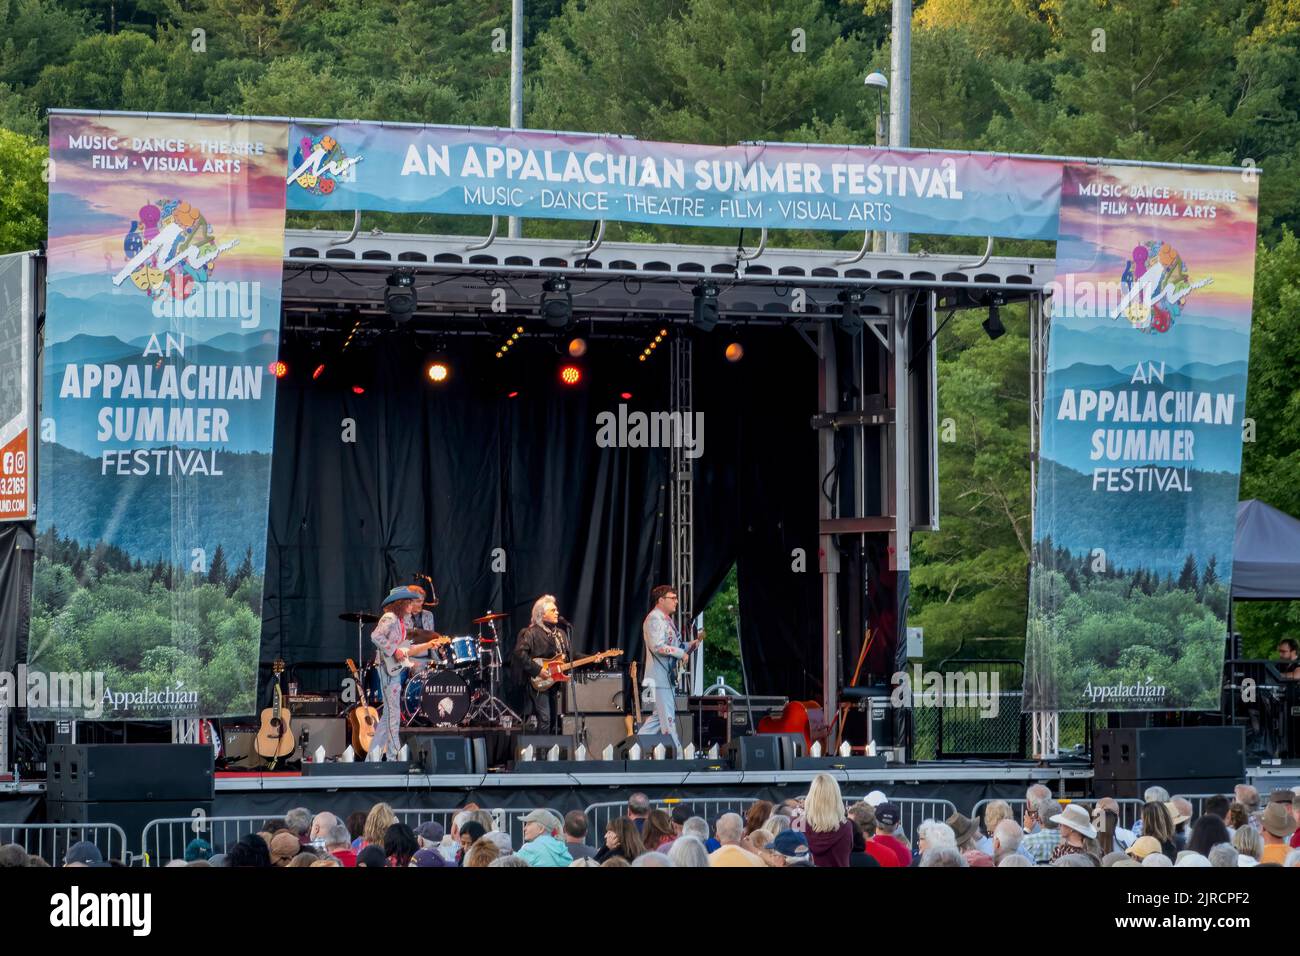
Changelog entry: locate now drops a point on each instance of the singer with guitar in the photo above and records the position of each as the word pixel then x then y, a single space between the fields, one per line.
pixel 664 650
pixel 543 638
pixel 392 652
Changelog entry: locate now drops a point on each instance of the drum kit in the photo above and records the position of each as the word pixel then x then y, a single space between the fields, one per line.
pixel 460 685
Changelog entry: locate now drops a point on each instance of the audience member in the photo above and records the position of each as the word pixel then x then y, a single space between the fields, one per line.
pixel 621 839
pixel 575 835
pixel 542 847
pixel 730 829
pixel 687 850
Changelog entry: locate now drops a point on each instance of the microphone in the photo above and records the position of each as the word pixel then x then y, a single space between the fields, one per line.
pixel 560 618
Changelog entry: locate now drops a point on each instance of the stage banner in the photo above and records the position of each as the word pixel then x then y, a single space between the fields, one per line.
pixel 17 375
pixel 1142 423
pixel 469 171
pixel 166 239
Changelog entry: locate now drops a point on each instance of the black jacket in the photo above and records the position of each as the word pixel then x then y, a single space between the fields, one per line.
pixel 537 641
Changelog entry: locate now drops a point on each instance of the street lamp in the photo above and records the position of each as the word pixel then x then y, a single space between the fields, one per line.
pixel 877 80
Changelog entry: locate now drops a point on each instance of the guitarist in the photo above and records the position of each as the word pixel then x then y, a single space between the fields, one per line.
pixel 391 650
pixel 664 648
pixel 544 637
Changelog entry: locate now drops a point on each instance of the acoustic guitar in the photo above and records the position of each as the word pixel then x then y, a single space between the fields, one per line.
pixel 556 670
pixel 362 718
pixel 275 735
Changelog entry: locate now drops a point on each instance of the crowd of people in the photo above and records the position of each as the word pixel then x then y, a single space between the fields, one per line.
pixel 815 830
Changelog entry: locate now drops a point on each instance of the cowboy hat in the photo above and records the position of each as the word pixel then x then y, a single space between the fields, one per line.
pixel 1076 817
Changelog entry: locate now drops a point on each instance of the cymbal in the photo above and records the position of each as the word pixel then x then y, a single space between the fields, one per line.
pixel 490 616
pixel 359 617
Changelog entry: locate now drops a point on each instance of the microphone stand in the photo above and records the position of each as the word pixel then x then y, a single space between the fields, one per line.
pixel 579 721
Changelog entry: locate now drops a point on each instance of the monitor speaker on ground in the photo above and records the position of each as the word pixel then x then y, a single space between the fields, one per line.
pixel 758 751
pixel 328 732
pixel 603 730
pixel 438 753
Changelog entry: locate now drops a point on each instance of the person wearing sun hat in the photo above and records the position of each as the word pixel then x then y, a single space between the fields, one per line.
pixel 1076 826
pixel 1276 826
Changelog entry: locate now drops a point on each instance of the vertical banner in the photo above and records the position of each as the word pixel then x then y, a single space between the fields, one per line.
pixel 166 239
pixel 1142 423
pixel 17 370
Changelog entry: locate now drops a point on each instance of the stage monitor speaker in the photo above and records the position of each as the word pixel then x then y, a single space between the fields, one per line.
pixel 1169 753
pixel 444 753
pixel 86 772
pixel 648 744
pixel 328 732
pixel 542 744
pixel 758 751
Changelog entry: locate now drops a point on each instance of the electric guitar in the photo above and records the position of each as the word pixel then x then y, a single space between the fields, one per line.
pixel 362 718
pixel 275 735
pixel 555 670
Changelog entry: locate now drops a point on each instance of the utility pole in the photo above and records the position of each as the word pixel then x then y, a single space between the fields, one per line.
pixel 900 96
pixel 516 84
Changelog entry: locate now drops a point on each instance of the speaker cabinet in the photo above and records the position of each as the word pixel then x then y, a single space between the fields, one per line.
pixel 444 753
pixel 1169 753
pixel 542 744
pixel 328 732
pixel 89 772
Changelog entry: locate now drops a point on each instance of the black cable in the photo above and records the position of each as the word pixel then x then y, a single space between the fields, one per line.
pixel 925 348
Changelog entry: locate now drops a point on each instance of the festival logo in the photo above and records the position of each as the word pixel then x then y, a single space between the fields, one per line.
pixel 1155 284
pixel 170 250
pixel 320 164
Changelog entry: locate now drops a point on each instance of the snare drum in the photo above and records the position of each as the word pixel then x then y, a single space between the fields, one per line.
pixel 464 650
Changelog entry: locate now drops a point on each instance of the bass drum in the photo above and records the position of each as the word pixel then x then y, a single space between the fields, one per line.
pixel 444 697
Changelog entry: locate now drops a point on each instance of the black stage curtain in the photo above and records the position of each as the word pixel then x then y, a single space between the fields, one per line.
pixel 436 479
pixel 16 555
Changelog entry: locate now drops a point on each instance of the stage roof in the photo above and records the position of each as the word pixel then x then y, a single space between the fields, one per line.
pixel 1266 555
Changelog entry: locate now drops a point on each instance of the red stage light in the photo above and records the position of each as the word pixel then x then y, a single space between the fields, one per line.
pixel 512 395
pixel 358 390
pixel 319 371
pixel 570 375
pixel 626 396
pixel 278 369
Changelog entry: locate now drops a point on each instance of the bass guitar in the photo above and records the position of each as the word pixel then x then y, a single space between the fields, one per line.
pixel 556 670
pixel 362 718
pixel 275 735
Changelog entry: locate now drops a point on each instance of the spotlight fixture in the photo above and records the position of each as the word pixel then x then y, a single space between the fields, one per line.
pixel 278 369
pixel 993 326
pixel 849 319
pixel 318 372
pixel 438 372
pixel 734 352
pixel 511 339
pixel 557 302
pixel 626 396
pixel 570 374
pixel 400 298
pixel 704 312
pixel 578 347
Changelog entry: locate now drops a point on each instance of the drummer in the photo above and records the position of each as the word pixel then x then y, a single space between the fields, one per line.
pixel 422 618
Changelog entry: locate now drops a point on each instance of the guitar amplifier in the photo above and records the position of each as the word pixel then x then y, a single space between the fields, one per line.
pixel 595 692
pixel 313 705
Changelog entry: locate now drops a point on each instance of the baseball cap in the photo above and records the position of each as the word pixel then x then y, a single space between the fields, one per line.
pixel 428 857
pixel 791 844
pixel 887 814
pixel 544 818
pixel 430 831
pixel 875 798
pixel 83 852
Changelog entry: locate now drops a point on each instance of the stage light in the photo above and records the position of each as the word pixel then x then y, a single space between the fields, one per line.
pixel 557 302
pixel 993 326
pixel 850 318
pixel 578 347
pixel 400 297
pixel 626 396
pixel 278 369
pixel 734 352
pixel 704 312
pixel 641 357
pixel 438 372
pixel 358 390
pixel 512 395
pixel 318 372
pixel 570 375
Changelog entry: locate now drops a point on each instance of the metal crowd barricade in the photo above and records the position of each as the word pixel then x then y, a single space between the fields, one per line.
pixel 50 841
pixel 709 808
pixel 1130 809
pixel 912 811
pixel 506 819
pixel 165 839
